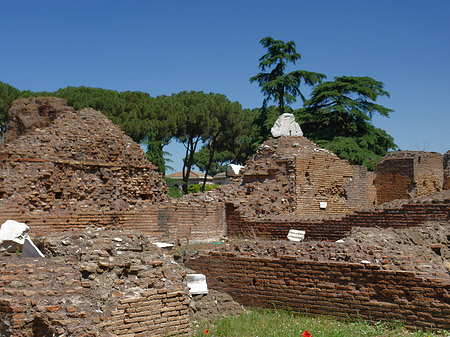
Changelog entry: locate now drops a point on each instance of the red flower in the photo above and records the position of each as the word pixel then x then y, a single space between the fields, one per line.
pixel 306 334
pixel 206 331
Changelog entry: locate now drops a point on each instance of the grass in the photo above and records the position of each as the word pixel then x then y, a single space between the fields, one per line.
pixel 281 323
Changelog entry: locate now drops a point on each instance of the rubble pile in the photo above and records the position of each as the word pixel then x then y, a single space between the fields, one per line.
pixel 90 283
pixel 212 306
pixel 72 160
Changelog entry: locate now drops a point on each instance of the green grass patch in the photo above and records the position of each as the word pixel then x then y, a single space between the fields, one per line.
pixel 282 323
pixel 196 188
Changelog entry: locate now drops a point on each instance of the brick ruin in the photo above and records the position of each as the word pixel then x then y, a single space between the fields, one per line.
pixel 291 177
pixel 96 283
pixel 408 174
pixel 75 160
pixel 63 170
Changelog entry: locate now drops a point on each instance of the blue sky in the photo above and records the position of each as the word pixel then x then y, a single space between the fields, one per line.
pixel 164 47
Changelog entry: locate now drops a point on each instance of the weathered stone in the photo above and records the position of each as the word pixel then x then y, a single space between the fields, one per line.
pixel 233 170
pixel 296 235
pixel 286 125
pixel 12 234
pixel 197 284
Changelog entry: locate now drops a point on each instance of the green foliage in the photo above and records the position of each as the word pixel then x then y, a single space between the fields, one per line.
pixel 338 117
pixel 155 155
pixel 281 323
pixel 219 162
pixel 7 95
pixel 174 191
pixel 193 125
pixel 132 111
pixel 276 85
pixel 196 188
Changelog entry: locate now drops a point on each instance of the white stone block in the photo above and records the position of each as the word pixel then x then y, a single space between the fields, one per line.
pixel 233 170
pixel 163 245
pixel 12 234
pixel 286 125
pixel 197 284
pixel 296 235
pixel 323 204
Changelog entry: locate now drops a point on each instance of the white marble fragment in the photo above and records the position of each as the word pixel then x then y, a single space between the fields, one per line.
pixel 29 249
pixel 197 284
pixel 286 125
pixel 233 170
pixel 163 245
pixel 296 235
pixel 12 234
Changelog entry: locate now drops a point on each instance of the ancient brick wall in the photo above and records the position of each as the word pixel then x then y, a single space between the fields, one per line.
pixel 178 221
pixel 334 229
pixel 329 288
pixel 323 177
pixel 407 174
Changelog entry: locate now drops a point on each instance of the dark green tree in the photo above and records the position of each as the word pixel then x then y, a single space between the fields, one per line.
pixel 193 125
pixel 7 95
pixel 227 124
pixel 338 117
pixel 234 142
pixel 276 85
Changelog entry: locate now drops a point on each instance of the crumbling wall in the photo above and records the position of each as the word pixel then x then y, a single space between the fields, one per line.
pixel 99 283
pixel 323 178
pixel 291 176
pixel 408 174
pixel 342 289
pixel 72 160
pixel 200 222
pixel 404 216
pixel 28 114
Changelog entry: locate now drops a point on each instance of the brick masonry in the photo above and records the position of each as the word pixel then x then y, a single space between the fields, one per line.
pixel 201 222
pixel 329 288
pixel 322 177
pixel 75 160
pixel 25 312
pixel 407 174
pixel 334 229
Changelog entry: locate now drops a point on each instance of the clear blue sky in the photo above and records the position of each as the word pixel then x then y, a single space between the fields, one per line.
pixel 164 47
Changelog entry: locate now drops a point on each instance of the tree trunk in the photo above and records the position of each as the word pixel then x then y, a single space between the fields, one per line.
pixel 192 146
pixel 212 147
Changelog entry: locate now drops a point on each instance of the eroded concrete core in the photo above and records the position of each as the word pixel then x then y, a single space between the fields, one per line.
pixel 55 158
